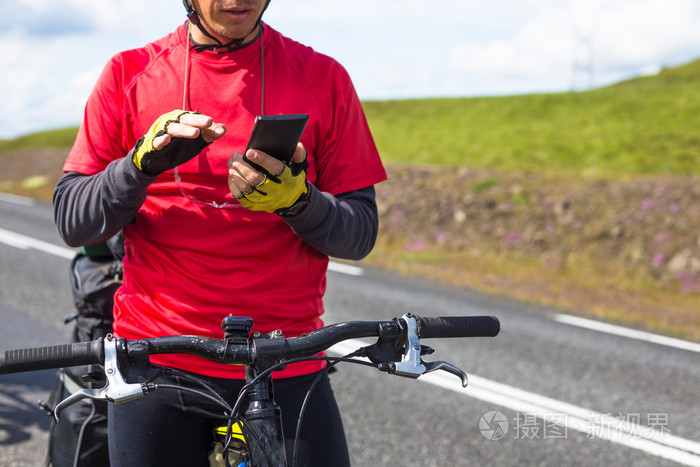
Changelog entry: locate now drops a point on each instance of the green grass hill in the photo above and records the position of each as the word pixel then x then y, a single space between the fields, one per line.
pixel 612 130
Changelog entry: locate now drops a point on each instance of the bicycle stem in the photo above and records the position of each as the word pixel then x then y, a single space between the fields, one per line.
pixel 263 419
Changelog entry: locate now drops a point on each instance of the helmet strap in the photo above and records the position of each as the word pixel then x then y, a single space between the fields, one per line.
pixel 230 46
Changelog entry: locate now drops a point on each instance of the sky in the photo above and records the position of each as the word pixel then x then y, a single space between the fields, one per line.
pixel 51 53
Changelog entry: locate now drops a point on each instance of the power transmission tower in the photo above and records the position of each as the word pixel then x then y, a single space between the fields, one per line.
pixel 585 19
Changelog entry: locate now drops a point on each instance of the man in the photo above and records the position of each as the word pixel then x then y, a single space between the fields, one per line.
pixel 206 234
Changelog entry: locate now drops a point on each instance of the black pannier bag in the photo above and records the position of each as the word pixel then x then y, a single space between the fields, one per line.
pixel 80 438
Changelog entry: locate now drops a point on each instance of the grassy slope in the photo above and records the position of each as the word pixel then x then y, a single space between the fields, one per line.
pixel 60 138
pixel 612 153
pixel 613 130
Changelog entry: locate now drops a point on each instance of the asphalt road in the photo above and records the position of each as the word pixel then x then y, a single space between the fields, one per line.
pixel 549 390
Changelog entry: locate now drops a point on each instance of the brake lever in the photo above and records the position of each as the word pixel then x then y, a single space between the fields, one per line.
pixel 411 364
pixel 448 367
pixel 115 390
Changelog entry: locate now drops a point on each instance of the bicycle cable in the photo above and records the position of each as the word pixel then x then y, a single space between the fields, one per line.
pixel 297 434
pixel 194 391
pixel 263 374
pixel 202 383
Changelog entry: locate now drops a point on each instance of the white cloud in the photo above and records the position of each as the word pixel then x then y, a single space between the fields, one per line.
pixel 648 32
pixel 580 42
pixel 53 52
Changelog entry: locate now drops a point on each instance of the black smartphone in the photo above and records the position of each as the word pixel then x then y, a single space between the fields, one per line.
pixel 277 135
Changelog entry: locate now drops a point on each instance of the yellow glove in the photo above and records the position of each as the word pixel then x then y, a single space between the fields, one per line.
pixel 178 151
pixel 285 194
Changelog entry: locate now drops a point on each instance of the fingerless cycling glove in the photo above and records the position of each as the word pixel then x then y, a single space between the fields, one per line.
pixel 180 150
pixel 285 194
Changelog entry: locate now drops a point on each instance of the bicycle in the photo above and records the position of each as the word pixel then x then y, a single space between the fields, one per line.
pixel 254 438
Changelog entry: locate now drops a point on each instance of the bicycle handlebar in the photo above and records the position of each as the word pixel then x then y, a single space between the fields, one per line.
pixel 53 356
pixel 458 326
pixel 254 349
pixel 129 373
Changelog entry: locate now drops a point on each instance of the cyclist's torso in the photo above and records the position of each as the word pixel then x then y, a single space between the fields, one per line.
pixel 187 264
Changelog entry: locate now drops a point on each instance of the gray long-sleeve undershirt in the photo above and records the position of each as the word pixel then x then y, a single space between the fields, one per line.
pixel 89 209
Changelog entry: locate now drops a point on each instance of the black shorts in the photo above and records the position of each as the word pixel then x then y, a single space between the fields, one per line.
pixel 173 427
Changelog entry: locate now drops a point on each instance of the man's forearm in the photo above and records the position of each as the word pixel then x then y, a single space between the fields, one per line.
pixel 91 208
pixel 343 226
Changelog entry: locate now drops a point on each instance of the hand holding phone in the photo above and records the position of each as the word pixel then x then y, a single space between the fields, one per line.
pixel 276 135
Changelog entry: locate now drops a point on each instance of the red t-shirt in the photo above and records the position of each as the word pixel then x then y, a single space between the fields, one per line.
pixel 188 265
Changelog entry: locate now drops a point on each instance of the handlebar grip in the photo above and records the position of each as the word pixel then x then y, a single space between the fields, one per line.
pixel 53 356
pixel 459 326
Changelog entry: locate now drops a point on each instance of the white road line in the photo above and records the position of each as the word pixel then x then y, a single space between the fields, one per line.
pixel 25 243
pixel 553 412
pixel 626 332
pixel 345 269
pixel 16 199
